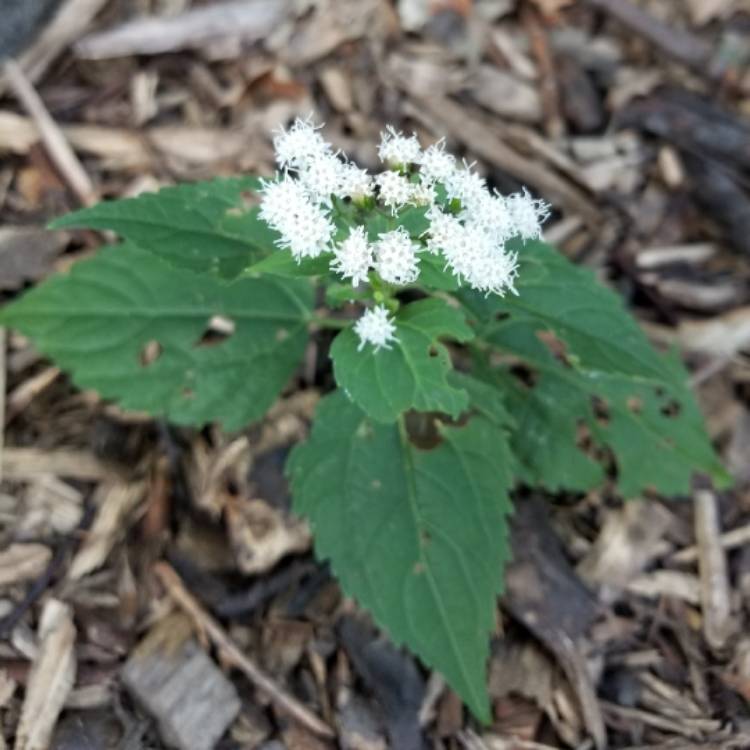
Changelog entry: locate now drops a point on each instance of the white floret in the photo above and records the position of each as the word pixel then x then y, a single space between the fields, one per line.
pixel 492 215
pixel 375 327
pixel 423 194
pixel 396 259
pixel 443 229
pixel 528 214
pixel 436 164
pixel 298 145
pixel 397 149
pixel 321 177
pixel 354 256
pixel 468 186
pixel 477 259
pixel 355 183
pixel 394 189
pixel 304 227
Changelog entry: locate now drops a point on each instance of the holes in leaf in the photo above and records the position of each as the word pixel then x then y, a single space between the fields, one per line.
pixel 281 334
pixel 150 352
pixel 524 374
pixel 587 444
pixel 422 429
pixel 218 329
pixel 187 393
pixel 601 410
pixel 433 351
pixel 499 316
pixel 671 409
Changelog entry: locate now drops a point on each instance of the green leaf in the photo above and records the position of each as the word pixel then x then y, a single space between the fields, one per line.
pixel 101 322
pixel 595 373
pixel 434 275
pixel 412 373
pixel 414 220
pixel 418 537
pixel 205 226
pixel 282 263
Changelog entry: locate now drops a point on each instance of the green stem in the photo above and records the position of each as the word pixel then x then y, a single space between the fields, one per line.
pixel 327 322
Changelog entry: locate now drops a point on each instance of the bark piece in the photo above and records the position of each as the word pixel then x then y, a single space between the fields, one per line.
pixel 171 676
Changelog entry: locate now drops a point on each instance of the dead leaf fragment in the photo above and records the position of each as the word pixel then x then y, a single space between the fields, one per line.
pixel 261 535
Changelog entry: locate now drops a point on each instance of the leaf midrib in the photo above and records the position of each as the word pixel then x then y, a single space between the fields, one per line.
pixel 411 491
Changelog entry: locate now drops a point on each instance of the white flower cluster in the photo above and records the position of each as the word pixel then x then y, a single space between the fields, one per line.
pixel 469 224
pixel 376 328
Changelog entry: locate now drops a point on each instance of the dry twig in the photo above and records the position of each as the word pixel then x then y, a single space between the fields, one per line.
pixel 216 633
pixel 57 146
pixel 712 564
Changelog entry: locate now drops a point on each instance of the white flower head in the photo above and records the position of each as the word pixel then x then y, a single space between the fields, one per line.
pixel 298 145
pixel 492 214
pixel 304 227
pixel 423 194
pixel 528 214
pixel 442 231
pixel 394 189
pixel 355 183
pixel 396 149
pixel 436 164
pixel 396 259
pixel 476 258
pixel 321 178
pixel 354 256
pixel 468 186
pixel 470 233
pixel 376 328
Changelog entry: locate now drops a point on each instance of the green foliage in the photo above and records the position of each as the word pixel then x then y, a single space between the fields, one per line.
pixel 206 226
pixel 103 320
pixel 412 373
pixel 419 537
pixel 556 386
pixel 591 366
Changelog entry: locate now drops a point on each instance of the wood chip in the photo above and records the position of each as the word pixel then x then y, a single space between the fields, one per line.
pixel 22 562
pixel 71 19
pixel 116 502
pixel 615 558
pixel 51 678
pixel 667 583
pixel 503 93
pixel 712 564
pixel 23 464
pixel 248 20
pixel 171 676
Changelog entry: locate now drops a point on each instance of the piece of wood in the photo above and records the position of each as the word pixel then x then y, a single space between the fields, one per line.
pixel 712 565
pixel 51 678
pixel 174 680
pixel 248 20
pixel 116 501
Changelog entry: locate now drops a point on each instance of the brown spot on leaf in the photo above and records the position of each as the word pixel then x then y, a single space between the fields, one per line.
pixel 150 352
